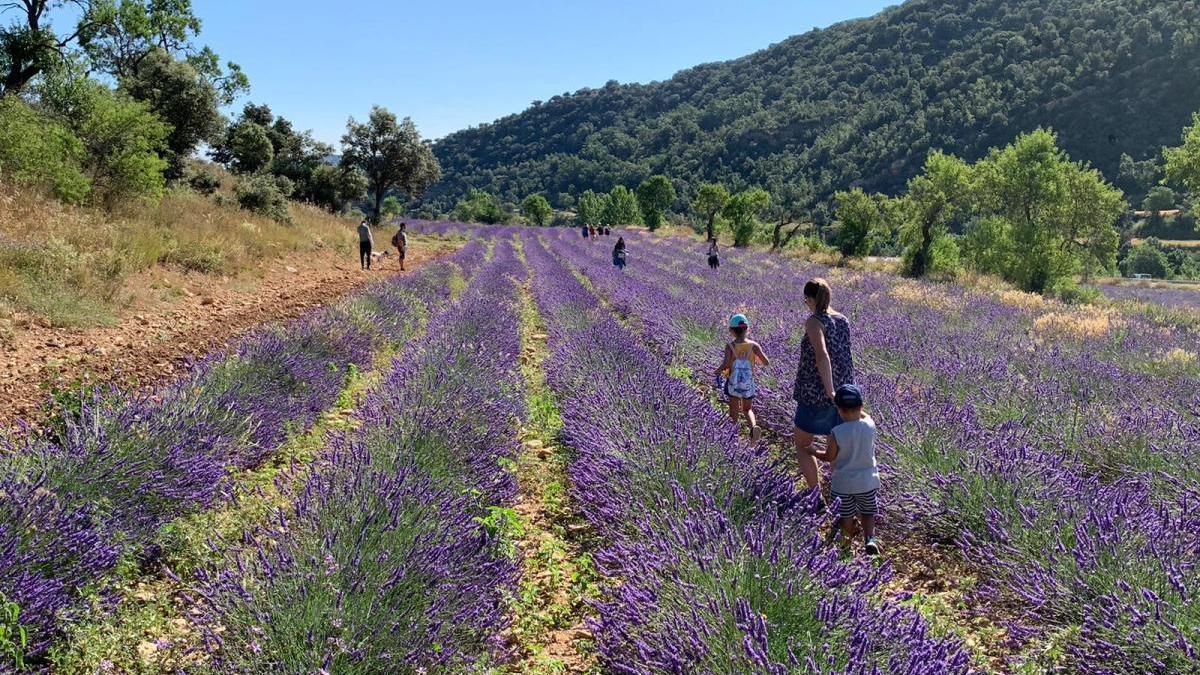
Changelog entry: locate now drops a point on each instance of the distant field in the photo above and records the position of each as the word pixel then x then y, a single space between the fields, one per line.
pixel 1174 243
pixel 1174 295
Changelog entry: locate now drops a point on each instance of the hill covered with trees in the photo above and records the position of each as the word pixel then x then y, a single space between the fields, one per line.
pixel 859 104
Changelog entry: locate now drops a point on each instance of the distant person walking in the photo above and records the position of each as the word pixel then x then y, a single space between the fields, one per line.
pixel 714 255
pixel 736 373
pixel 400 241
pixel 618 254
pixel 365 244
pixel 855 480
pixel 825 364
pixel 585 232
pixel 592 231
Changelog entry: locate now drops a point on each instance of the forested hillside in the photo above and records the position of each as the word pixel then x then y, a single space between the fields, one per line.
pixel 860 103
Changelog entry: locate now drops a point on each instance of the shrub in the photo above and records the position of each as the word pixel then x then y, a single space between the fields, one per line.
pixel 39 152
pixel 1148 258
pixel 122 139
pixel 204 182
pixel 265 195
pixel 480 207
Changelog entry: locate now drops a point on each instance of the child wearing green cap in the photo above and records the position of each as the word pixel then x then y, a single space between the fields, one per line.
pixel 742 356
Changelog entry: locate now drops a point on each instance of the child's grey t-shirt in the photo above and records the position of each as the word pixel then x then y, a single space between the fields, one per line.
pixel 854 470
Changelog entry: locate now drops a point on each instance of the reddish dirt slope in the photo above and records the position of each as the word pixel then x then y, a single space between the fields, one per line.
pixel 170 318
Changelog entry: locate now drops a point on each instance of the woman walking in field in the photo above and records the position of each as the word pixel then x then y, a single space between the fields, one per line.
pixel 714 255
pixel 825 364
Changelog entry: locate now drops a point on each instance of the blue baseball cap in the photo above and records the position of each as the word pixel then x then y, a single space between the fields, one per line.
pixel 738 320
pixel 848 396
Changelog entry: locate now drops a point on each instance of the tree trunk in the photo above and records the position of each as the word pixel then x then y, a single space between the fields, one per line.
pixel 791 235
pixel 380 192
pixel 712 217
pixel 921 260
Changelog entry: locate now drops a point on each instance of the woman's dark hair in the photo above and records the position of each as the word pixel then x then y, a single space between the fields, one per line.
pixel 740 331
pixel 818 289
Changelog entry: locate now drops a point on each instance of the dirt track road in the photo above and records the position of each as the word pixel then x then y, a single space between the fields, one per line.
pixel 160 331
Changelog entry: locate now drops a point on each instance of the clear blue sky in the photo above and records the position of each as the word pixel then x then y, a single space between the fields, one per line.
pixel 450 64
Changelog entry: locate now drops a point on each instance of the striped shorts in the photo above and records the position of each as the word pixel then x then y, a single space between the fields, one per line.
pixel 863 504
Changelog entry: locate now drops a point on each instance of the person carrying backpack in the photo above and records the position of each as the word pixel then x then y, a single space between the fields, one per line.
pixel 400 241
pixel 736 373
pixel 365 244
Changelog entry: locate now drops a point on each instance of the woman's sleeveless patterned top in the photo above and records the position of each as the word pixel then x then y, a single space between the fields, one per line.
pixel 809 390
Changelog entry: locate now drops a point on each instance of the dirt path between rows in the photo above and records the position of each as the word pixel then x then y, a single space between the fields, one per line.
pixel 173 317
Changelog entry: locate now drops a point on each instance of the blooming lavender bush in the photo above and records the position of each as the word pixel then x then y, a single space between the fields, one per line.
pixel 387 561
pixel 718 556
pixel 71 506
pixel 1009 425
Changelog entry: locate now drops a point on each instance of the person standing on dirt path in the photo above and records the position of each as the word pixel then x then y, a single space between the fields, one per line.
pixel 714 255
pixel 365 244
pixel 855 480
pixel 742 356
pixel 826 363
pixel 400 241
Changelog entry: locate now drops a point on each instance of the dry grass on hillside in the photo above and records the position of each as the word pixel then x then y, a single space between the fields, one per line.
pixel 68 265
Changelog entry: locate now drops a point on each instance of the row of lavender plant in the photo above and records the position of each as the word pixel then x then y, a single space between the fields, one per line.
pixel 718 563
pixel 390 559
pixel 72 506
pixel 1114 558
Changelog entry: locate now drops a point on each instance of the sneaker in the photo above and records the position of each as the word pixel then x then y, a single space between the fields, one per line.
pixel 871 547
pixel 755 434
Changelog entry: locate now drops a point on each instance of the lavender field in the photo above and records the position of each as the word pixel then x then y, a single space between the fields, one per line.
pixel 1037 461
pixel 1171 296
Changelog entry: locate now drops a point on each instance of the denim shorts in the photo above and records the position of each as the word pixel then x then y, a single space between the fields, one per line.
pixel 818 420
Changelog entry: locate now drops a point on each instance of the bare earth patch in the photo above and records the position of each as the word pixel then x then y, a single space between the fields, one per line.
pixel 173 317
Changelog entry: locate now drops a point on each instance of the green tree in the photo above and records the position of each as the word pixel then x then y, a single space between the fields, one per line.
pixel 40 152
pixel 988 245
pixel 391 154
pixel 117 35
pixel 175 92
pixel 1148 257
pixel 1060 215
pixel 1183 162
pixel 861 218
pixel 934 200
pixel 479 207
pixel 122 139
pixel 654 196
pixel 537 209
pixel 791 207
pixel 710 200
pixel 621 208
pixel 331 187
pixel 392 206
pixel 1160 198
pixel 742 211
pixel 591 208
pixel 250 148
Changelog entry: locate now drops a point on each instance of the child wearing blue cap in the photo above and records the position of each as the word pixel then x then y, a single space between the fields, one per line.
pixel 741 357
pixel 855 480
